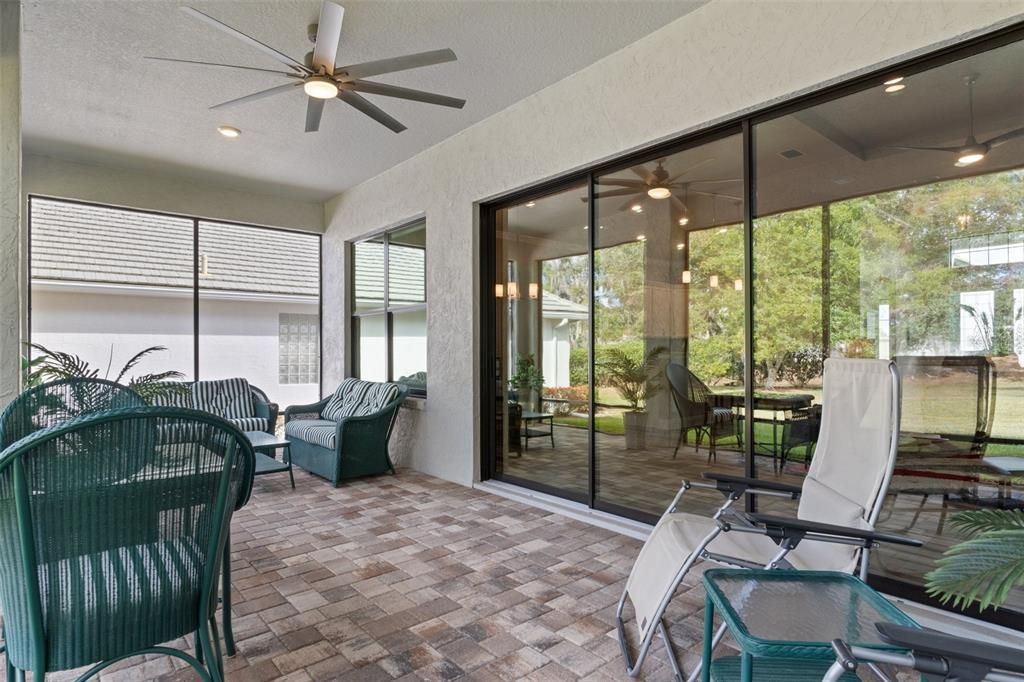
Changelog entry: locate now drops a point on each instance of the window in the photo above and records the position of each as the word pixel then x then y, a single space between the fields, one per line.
pixel 389 324
pixel 108 282
pixel 298 338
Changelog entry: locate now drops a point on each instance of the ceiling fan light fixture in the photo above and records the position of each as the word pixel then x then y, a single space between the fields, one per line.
pixel 659 193
pixel 230 132
pixel 320 87
pixel 970 155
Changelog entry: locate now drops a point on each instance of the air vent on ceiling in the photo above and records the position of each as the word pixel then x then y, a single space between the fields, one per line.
pixel 791 153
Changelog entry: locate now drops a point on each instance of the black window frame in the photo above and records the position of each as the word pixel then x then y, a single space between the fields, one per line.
pixel 387 310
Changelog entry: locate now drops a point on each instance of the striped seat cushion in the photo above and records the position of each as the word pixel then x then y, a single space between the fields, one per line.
pixel 86 594
pixel 178 394
pixel 228 398
pixel 320 432
pixel 250 423
pixel 355 398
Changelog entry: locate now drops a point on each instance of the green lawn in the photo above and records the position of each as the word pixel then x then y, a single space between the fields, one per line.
pixel 609 423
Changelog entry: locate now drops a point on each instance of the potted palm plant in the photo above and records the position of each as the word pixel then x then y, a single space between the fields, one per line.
pixel 526 380
pixel 987 566
pixel 637 378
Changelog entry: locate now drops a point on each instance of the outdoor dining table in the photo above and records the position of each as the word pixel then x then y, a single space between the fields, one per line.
pixel 775 403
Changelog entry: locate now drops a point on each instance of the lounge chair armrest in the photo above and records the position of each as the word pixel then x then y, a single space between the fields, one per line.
pixel 739 485
pixel 792 529
pixel 313 408
pixel 929 645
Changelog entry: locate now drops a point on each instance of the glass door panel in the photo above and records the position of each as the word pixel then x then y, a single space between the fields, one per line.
pixel 668 325
pixel 542 344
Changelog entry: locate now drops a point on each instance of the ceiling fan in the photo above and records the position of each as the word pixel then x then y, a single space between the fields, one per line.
pixel 971 151
pixel 657 184
pixel 322 79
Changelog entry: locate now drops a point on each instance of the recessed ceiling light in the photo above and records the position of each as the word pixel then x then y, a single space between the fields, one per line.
pixel 684 220
pixel 229 131
pixel 893 89
pixel 723 230
pixel 600 227
pixel 531 204
pixel 659 193
pixel 893 81
pixel 641 238
pixel 637 208
pixel 680 246
pixel 320 87
pixel 586 227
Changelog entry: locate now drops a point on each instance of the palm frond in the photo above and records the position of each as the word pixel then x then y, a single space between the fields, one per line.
pixel 53 365
pixel 136 359
pixel 977 521
pixel 150 386
pixel 983 569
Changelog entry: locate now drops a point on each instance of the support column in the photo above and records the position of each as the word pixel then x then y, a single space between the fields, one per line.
pixel 13 271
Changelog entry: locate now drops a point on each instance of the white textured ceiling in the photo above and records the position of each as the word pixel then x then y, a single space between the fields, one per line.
pixel 89 95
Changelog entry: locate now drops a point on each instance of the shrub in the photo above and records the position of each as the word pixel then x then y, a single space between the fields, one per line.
pixel 803 365
pixel 579 372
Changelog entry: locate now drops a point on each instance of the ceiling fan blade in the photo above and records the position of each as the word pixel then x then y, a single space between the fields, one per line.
pixel 314 110
pixel 638 184
pixel 393 64
pixel 623 192
pixel 373 111
pixel 328 34
pixel 1005 137
pixel 951 150
pixel 631 202
pixel 269 92
pixel 291 74
pixel 719 195
pixel 696 182
pixel 642 173
pixel 690 169
pixel 248 40
pixel 404 93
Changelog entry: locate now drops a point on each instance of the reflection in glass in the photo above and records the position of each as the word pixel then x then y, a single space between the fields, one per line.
pixel 868 245
pixel 542 341
pixel 410 348
pixel 407 266
pixel 668 324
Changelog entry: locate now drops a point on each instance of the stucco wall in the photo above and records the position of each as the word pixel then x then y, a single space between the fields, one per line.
pixel 172 194
pixel 728 57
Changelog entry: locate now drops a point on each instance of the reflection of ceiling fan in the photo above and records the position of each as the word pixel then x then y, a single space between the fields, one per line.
pixel 657 184
pixel 971 151
pixel 321 79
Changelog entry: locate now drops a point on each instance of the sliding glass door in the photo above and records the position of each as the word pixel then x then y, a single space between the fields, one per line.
pixel 542 342
pixel 882 220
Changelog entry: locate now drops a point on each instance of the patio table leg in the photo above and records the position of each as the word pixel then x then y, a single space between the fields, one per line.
pixel 291 476
pixel 229 634
pixel 709 635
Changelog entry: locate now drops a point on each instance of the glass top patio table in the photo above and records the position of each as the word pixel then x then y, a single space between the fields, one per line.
pixel 796 614
pixel 799 613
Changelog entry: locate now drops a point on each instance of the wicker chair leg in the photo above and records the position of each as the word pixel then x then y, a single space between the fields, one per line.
pixel 679 441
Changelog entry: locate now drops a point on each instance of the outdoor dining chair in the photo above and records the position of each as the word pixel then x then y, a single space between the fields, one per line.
pixel 839 503
pixel 111 542
pixel 692 399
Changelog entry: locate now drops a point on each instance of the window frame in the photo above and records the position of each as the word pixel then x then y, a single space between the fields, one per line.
pixel 196 265
pixel 388 310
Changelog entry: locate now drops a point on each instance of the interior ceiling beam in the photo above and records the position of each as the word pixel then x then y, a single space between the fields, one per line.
pixel 815 122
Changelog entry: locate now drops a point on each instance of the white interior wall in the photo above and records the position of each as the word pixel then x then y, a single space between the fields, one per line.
pixel 12 237
pixel 729 57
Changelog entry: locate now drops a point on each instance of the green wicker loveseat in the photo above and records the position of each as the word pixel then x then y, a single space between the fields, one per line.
pixel 345 435
pixel 236 400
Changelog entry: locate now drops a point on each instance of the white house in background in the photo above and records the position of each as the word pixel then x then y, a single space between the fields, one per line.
pixel 108 282
pixel 557 315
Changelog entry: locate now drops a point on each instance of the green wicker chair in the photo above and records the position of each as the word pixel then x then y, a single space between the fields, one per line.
pixel 345 435
pixel 56 402
pixel 111 544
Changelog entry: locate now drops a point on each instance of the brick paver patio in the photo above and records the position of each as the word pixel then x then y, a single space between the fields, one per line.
pixel 413 578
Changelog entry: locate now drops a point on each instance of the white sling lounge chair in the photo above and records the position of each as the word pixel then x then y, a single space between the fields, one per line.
pixel 839 503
